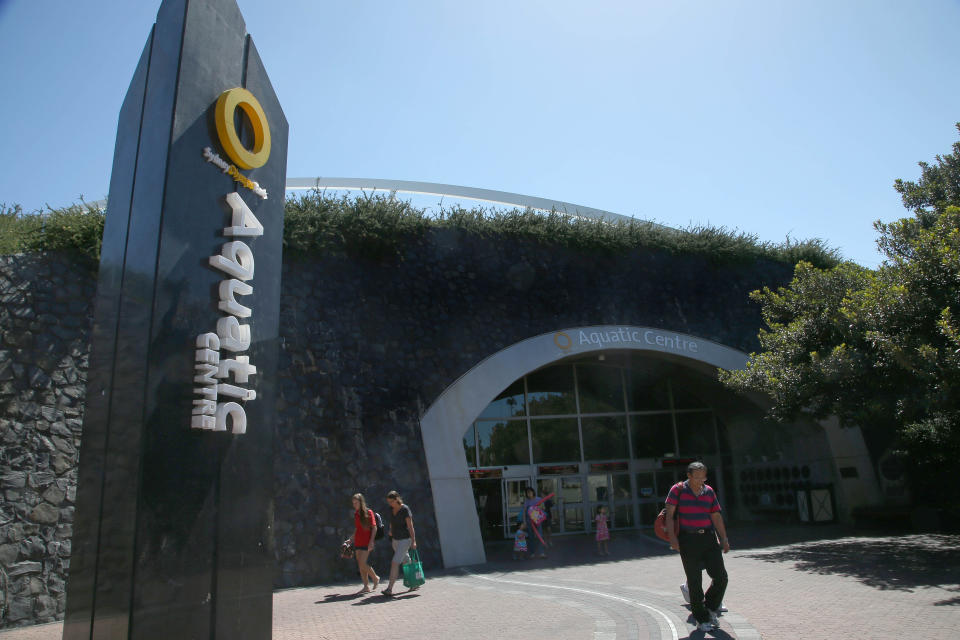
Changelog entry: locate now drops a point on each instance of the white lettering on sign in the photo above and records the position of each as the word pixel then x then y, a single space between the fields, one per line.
pixel 213 376
pixel 235 259
pixel 243 221
pixel 233 335
pixel 228 302
pixel 625 335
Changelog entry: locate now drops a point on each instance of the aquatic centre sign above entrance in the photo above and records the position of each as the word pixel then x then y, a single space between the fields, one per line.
pixel 631 337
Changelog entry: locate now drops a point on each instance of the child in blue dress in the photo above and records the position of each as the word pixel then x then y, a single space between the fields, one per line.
pixel 520 542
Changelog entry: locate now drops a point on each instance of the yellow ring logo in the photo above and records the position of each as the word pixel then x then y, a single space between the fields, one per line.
pixel 227 104
pixel 558 339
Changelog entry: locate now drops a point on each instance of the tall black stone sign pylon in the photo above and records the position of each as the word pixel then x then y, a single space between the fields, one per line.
pixel 173 533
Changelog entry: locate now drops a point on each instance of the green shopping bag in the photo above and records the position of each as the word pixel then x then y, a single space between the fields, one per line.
pixel 413 571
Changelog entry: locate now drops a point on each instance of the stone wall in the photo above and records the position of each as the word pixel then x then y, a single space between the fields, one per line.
pixel 366 346
pixel 45 315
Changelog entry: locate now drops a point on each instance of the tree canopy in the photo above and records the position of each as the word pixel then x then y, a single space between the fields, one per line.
pixel 938 187
pixel 879 349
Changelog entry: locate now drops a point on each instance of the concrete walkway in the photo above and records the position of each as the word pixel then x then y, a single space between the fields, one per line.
pixel 797 583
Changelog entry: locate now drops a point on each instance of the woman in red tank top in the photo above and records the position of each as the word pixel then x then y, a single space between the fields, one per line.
pixel 364 534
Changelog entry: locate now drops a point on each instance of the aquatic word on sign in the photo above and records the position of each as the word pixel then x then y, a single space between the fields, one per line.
pixel 212 372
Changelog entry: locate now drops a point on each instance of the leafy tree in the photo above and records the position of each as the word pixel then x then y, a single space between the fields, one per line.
pixel 939 186
pixel 879 349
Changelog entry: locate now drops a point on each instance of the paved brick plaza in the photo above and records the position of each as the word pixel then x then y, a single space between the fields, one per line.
pixel 797 583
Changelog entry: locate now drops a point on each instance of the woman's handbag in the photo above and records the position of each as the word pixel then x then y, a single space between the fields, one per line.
pixel 413 571
pixel 347 550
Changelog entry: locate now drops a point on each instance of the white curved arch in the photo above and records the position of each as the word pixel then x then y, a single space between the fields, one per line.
pixel 471 193
pixel 453 190
pixel 443 424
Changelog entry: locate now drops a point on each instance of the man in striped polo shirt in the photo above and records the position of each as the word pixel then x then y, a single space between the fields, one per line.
pixel 700 524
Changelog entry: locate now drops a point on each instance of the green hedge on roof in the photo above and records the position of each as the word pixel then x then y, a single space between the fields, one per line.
pixel 378 226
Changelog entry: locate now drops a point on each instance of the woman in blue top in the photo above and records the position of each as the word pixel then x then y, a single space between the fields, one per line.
pixel 531 501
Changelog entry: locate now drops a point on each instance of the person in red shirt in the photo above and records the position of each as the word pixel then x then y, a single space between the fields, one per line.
pixel 701 537
pixel 364 536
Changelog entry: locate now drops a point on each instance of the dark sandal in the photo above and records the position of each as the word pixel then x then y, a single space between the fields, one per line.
pixel 387 593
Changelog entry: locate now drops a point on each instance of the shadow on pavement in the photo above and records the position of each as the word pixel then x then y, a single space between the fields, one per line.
pixel 898 562
pixel 885 562
pixel 380 599
pixel 340 597
pixel 573 550
pixel 950 602
pixel 716 633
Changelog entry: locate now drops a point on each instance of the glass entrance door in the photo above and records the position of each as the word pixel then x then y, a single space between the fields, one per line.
pixel 488 497
pixel 514 493
pixel 571 503
pixel 612 490
pixel 649 496
pixel 546 486
pixel 622 512
pixel 598 493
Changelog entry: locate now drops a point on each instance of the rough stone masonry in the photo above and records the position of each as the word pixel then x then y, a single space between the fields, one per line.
pixel 366 345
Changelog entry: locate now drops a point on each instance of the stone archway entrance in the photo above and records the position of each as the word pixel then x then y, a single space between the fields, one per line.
pixel 444 422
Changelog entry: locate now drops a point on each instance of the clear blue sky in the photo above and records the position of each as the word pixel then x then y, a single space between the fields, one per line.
pixel 776 118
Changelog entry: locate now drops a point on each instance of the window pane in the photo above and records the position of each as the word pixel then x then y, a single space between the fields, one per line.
pixel 546 486
pixel 665 480
pixel 684 399
pixel 722 436
pixel 502 442
pixel 572 490
pixel 652 435
pixel 598 489
pixel 551 391
pixel 509 404
pixel 648 513
pixel 516 492
pixel 469 447
pixel 621 487
pixel 623 515
pixel 555 440
pixel 685 387
pixel 695 433
pixel 605 438
pixel 573 519
pixel 646 489
pixel 647 386
pixel 601 389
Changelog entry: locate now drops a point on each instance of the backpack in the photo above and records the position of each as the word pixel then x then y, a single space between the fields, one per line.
pixel 379 521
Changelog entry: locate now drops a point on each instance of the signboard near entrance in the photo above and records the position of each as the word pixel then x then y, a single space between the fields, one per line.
pixel 601 467
pixel 173 537
pixel 559 470
pixel 476 474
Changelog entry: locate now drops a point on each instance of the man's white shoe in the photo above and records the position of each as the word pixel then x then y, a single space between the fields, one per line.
pixel 685 592
pixel 706 626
